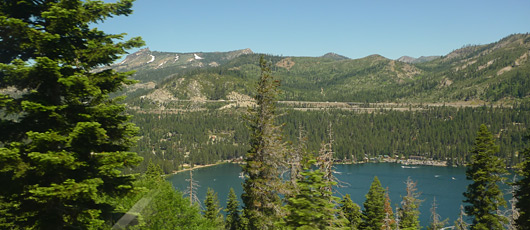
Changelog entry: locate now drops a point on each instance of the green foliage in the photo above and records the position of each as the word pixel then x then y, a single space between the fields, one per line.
pixel 523 191
pixel 64 142
pixel 213 209
pixel 351 211
pixel 311 208
pixel 483 194
pixel 409 212
pixel 163 207
pixel 434 132
pixel 264 160
pixel 232 212
pixel 374 210
pixel 153 171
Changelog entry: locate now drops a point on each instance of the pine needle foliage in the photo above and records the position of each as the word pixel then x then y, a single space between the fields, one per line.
pixel 311 207
pixel 64 142
pixel 212 208
pixel 484 195
pixel 523 190
pixel 374 207
pixel 351 211
pixel 232 212
pixel 265 159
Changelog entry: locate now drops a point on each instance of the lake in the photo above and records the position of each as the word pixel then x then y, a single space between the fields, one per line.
pixel 445 183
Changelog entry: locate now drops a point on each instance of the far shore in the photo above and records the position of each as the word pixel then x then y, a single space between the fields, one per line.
pixel 388 160
pixel 198 167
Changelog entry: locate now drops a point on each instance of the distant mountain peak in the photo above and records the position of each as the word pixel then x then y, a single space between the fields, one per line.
pixel 412 60
pixel 334 56
pixel 246 51
pixel 406 59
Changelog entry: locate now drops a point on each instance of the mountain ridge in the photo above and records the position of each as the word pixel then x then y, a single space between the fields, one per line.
pixel 495 72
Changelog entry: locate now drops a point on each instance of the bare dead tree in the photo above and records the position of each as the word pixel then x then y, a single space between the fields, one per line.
pixel 389 222
pixel 325 161
pixel 512 213
pixel 191 191
pixel 436 223
pixel 460 223
pixel 296 162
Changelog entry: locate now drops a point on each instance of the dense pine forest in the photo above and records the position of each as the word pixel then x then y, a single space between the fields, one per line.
pixel 441 133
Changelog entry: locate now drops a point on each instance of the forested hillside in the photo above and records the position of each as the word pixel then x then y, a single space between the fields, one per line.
pixel 496 72
pixel 442 133
pixel 190 108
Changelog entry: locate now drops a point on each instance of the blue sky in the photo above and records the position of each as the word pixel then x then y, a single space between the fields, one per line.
pixel 355 29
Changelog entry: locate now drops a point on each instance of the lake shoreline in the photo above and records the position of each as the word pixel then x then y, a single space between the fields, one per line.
pixel 197 167
pixel 406 162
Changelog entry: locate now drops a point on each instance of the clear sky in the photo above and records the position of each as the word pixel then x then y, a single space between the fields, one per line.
pixel 353 28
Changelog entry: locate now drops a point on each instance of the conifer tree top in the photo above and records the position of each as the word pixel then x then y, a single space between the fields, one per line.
pixel 63 153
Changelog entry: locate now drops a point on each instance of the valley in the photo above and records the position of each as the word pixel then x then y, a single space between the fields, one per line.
pixel 180 104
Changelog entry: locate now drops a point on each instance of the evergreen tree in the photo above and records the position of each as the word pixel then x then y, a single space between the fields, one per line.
pixel 232 212
pixel 523 191
pixel 264 160
pixel 63 141
pixel 310 208
pixel 483 194
pixel 153 171
pixel 374 207
pixel 213 209
pixel 409 212
pixel 351 211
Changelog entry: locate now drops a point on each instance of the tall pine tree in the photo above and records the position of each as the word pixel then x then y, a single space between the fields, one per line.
pixel 232 211
pixel 374 207
pixel 484 195
pixel 523 191
pixel 63 140
pixel 351 211
pixel 264 160
pixel 311 207
pixel 212 211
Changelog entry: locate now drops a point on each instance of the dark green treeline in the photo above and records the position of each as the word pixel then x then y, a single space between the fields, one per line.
pixel 440 133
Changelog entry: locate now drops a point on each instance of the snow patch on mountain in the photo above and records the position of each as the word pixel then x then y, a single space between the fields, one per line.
pixel 176 58
pixel 152 59
pixel 161 64
pixel 197 57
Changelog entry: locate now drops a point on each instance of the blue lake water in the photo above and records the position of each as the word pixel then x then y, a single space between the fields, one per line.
pixel 445 183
